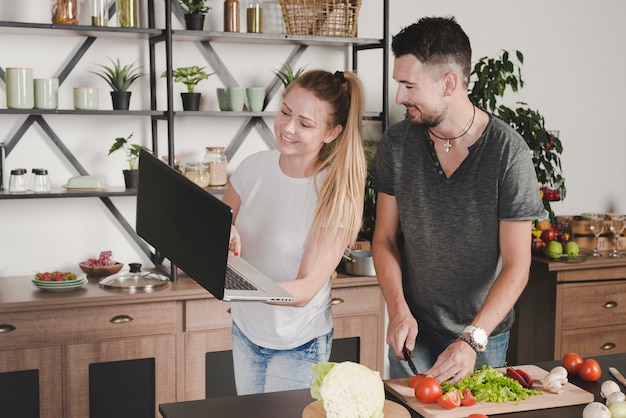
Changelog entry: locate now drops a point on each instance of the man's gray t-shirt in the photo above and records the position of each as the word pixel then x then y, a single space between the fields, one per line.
pixel 450 225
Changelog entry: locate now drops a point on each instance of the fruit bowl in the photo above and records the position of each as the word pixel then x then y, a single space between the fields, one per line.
pixel 98 272
pixel 568 258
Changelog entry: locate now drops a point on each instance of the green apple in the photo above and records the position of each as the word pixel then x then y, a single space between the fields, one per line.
pixel 555 249
pixel 572 249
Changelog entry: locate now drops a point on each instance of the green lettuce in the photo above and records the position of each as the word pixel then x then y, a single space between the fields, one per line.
pixel 320 370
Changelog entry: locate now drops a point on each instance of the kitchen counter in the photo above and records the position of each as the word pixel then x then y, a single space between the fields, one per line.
pixel 290 404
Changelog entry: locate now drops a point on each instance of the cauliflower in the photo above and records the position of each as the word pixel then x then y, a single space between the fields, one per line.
pixel 348 390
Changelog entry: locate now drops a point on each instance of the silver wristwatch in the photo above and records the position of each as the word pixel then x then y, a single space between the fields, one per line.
pixel 477 338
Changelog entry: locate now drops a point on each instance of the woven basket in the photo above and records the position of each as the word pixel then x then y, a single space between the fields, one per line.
pixel 321 17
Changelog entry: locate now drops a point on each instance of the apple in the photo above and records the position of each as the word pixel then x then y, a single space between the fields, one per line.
pixel 555 249
pixel 551 234
pixel 572 249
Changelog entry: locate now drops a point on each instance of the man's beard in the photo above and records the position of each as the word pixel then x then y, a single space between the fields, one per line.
pixel 423 119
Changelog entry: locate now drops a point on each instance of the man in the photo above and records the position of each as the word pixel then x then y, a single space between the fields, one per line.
pixel 457 193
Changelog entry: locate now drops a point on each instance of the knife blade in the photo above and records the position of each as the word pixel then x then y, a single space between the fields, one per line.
pixel 620 378
pixel 407 357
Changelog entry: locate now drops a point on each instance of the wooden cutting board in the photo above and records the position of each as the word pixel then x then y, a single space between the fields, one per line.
pixel 390 410
pixel 571 395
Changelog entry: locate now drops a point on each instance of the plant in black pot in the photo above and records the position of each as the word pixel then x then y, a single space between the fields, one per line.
pixel 196 11
pixel 131 176
pixel 119 77
pixel 189 76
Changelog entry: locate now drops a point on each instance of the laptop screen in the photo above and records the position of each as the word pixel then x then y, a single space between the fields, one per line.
pixel 184 222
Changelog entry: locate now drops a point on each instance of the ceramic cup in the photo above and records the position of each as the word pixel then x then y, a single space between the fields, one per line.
pixel 86 98
pixel 237 96
pixel 256 97
pixel 222 98
pixel 46 93
pixel 19 85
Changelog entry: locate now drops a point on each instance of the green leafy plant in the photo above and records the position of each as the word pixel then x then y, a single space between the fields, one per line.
pixel 131 150
pixel 195 6
pixel 489 80
pixel 369 205
pixel 189 76
pixel 288 74
pixel 119 77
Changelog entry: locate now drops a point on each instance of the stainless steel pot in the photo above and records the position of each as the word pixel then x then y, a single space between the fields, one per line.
pixel 360 263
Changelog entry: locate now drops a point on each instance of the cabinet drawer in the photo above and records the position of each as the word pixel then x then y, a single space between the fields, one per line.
pixel 67 326
pixel 594 304
pixel 587 343
pixel 206 314
pixel 351 301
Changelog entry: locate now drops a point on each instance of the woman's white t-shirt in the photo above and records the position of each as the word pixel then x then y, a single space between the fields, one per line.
pixel 273 221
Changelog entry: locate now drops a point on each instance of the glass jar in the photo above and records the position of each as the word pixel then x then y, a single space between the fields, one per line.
pixel 127 13
pixel 17 181
pixel 65 12
pixel 198 173
pixel 254 16
pixel 215 158
pixel 99 13
pixel 231 16
pixel 41 182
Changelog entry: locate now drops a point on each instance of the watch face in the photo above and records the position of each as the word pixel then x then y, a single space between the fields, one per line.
pixel 479 336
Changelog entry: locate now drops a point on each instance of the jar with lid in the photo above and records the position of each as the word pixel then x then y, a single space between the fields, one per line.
pixel 198 173
pixel 41 183
pixel 254 16
pixel 17 181
pixel 231 15
pixel 64 12
pixel 216 159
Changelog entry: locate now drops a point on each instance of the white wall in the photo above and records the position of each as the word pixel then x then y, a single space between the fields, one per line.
pixel 566 49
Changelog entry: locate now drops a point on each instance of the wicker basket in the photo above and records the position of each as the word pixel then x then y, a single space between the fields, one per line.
pixel 321 17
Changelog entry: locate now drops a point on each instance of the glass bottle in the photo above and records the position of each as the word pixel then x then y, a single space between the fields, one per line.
pixel 215 158
pixel 65 12
pixel 198 173
pixel 127 13
pixel 41 183
pixel 99 13
pixel 254 16
pixel 231 15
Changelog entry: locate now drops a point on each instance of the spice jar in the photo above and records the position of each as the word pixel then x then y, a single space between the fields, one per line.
pixel 215 158
pixel 17 181
pixel 41 183
pixel 198 173
pixel 65 12
pixel 231 15
pixel 254 16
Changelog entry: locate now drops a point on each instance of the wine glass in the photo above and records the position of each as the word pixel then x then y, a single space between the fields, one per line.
pixel 616 225
pixel 596 225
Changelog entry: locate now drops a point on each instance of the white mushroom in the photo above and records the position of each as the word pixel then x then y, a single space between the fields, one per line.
pixel 608 387
pixel 556 380
pixel 615 397
pixel 596 410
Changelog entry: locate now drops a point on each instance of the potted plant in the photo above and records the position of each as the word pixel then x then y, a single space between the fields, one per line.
pixel 189 76
pixel 491 77
pixel 288 74
pixel 131 175
pixel 196 11
pixel 119 78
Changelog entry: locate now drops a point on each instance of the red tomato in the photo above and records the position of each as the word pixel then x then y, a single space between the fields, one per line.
pixel 468 398
pixel 572 363
pixel 428 390
pixel 415 380
pixel 590 370
pixel 477 416
pixel 450 400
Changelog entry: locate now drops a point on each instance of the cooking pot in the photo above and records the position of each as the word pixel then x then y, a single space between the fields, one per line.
pixel 360 263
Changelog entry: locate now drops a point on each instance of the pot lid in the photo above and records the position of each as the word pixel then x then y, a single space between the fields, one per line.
pixel 134 280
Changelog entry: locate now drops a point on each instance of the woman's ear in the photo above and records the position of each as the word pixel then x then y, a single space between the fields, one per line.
pixel 333 134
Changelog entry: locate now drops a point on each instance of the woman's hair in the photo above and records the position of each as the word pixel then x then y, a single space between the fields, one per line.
pixel 340 194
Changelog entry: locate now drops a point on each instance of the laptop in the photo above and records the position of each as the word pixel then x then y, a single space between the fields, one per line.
pixel 191 227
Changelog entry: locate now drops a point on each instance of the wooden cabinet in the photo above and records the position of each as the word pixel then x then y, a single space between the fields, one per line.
pixel 95 353
pixel 571 307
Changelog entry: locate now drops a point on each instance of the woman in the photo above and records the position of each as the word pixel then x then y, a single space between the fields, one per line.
pixel 295 211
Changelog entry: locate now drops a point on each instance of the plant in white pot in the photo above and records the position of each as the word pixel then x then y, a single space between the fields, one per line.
pixel 190 77
pixel 119 77
pixel 131 175
pixel 196 11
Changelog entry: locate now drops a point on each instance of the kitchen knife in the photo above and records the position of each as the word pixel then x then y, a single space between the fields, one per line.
pixel 618 376
pixel 407 357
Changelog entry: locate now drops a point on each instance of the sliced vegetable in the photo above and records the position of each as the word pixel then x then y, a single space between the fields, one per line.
pixel 521 376
pixel 467 398
pixel 413 381
pixel 450 400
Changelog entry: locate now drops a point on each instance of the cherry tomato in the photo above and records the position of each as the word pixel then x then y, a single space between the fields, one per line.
pixel 572 363
pixel 590 370
pixel 449 400
pixel 428 390
pixel 415 380
pixel 468 398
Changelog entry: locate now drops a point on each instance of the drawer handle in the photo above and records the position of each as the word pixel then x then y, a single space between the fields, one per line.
pixel 610 304
pixel 336 301
pixel 121 319
pixel 6 328
pixel 608 346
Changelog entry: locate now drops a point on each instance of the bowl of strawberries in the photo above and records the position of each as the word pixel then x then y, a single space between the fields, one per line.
pixel 102 266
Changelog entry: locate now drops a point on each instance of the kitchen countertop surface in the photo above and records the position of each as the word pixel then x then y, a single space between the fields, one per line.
pixel 290 404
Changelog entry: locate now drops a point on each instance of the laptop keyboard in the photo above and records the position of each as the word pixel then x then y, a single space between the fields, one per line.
pixel 235 281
